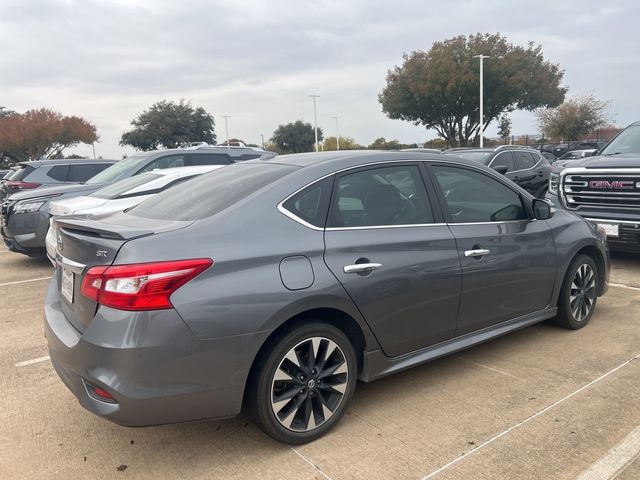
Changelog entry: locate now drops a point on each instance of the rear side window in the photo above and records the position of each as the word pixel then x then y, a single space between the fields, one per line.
pixel 208 159
pixel 381 197
pixel 210 193
pixel 58 172
pixel 311 203
pixel 83 172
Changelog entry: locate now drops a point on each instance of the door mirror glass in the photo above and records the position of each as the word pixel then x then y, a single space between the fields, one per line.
pixel 502 169
pixel 542 209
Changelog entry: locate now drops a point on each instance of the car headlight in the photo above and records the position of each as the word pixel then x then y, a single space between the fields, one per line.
pixel 28 206
pixel 554 178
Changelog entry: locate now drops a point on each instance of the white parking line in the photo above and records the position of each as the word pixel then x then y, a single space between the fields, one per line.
pixel 327 477
pixel 25 281
pixel 616 460
pixel 33 361
pixel 528 419
pixel 487 367
pixel 622 285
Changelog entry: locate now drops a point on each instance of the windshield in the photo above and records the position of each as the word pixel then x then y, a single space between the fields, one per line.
pixel 123 186
pixel 628 141
pixel 123 169
pixel 210 193
pixel 571 155
pixel 482 157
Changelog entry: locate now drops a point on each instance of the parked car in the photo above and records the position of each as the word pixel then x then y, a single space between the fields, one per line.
pixel 121 195
pixel 576 154
pixel 5 173
pixel 549 156
pixel 279 284
pixel 24 217
pixel 605 189
pixel 522 165
pixel 43 173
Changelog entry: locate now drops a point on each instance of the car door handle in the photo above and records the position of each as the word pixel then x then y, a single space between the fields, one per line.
pixel 480 252
pixel 361 267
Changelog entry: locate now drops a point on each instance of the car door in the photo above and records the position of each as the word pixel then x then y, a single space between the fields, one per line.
pixel 525 174
pixel 394 256
pixel 508 260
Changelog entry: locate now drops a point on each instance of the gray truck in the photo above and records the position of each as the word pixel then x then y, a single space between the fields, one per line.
pixel 605 189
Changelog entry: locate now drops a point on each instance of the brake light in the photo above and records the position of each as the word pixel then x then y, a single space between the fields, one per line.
pixel 143 286
pixel 22 185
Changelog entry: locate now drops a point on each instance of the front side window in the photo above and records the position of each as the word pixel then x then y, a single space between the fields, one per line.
pixel 503 160
pixel 384 196
pixel 472 197
pixel 169 161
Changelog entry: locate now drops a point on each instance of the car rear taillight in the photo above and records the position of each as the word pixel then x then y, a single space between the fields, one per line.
pixel 19 185
pixel 143 286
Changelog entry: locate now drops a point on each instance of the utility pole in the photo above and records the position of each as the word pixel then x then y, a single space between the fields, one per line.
pixel 94 150
pixel 481 57
pixel 315 118
pixel 337 133
pixel 262 137
pixel 226 126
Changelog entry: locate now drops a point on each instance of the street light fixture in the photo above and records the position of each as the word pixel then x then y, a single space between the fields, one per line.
pixel 481 57
pixel 315 118
pixel 337 133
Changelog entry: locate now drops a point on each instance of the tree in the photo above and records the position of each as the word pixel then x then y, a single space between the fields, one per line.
pixel 295 137
pixel 382 144
pixel 577 116
pixel 42 133
pixel 169 125
pixel 346 143
pixel 440 88
pixel 504 127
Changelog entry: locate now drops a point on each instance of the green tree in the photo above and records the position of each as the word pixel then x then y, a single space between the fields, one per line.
pixel 577 116
pixel 504 127
pixel 169 125
pixel 382 144
pixel 440 88
pixel 42 133
pixel 346 143
pixel 295 137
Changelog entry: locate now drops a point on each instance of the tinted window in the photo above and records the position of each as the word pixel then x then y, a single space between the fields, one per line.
pixel 59 172
pixel 21 173
pixel 208 159
pixel 503 159
pixel 524 160
pixel 123 186
pixel 311 203
pixel 122 169
pixel 83 172
pixel 472 196
pixel 211 193
pixel 165 162
pixel 380 196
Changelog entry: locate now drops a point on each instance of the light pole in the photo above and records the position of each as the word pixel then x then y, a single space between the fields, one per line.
pixel 315 118
pixel 337 133
pixel 481 57
pixel 226 126
pixel 262 137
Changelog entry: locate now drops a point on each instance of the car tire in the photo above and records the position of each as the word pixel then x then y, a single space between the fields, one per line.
pixel 303 383
pixel 579 293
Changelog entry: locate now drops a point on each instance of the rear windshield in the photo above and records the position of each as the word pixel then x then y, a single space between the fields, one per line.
pixel 123 186
pixel 123 169
pixel 210 193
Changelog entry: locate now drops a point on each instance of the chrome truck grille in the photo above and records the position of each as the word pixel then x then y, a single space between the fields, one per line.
pixel 600 189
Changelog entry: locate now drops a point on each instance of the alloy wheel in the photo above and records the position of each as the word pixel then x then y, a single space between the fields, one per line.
pixel 583 292
pixel 309 384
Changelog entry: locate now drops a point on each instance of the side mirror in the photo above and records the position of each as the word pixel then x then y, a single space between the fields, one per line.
pixel 501 169
pixel 542 209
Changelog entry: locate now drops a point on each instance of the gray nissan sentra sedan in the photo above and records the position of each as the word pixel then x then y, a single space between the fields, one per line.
pixel 276 284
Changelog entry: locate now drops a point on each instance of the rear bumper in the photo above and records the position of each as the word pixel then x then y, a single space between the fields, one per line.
pixel 150 362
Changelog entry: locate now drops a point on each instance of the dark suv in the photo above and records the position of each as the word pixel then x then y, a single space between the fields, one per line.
pixel 44 173
pixel 605 188
pixel 522 165
pixel 24 217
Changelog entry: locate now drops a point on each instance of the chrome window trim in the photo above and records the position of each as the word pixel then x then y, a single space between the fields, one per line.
pixel 528 220
pixel 540 157
pixel 377 227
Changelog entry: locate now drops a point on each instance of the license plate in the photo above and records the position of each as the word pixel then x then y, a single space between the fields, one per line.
pixel 66 285
pixel 610 229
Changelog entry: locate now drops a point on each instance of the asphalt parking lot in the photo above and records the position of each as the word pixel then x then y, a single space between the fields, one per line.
pixel 542 403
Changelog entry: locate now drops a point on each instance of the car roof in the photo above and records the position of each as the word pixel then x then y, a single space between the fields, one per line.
pixel 65 161
pixel 188 170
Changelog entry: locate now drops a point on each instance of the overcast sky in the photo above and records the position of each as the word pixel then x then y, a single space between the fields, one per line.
pixel 258 61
